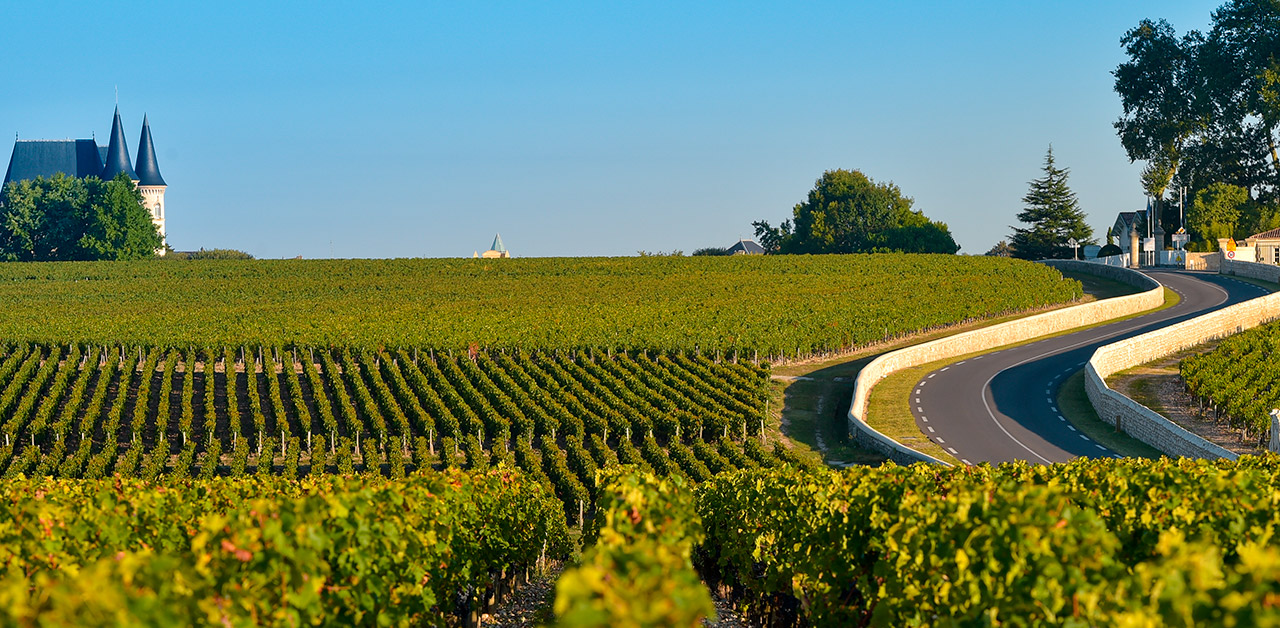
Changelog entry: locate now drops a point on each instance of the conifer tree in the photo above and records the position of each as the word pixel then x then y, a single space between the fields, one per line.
pixel 1052 215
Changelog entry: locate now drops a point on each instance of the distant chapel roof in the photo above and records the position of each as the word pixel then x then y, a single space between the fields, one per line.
pixel 497 244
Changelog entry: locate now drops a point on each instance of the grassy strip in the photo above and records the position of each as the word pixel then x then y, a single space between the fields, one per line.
pixel 1074 404
pixel 889 408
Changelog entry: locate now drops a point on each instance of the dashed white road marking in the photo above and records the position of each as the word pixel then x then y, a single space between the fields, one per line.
pixel 917 400
pixel 1071 427
pixel 952 450
pixel 1084 437
pixel 917 391
pixel 940 440
pixel 965 460
pixel 1100 447
pixel 931 430
pixel 919 409
pixel 924 418
pixel 944 368
pixel 932 375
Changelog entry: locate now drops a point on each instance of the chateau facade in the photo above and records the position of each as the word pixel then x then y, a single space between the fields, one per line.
pixel 84 158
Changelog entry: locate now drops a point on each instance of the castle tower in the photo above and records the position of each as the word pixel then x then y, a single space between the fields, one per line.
pixel 150 183
pixel 117 153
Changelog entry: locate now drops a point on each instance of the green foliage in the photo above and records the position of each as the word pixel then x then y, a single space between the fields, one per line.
pixel 203 254
pixel 847 212
pixel 1215 212
pixel 337 551
pixel 66 218
pixel 712 250
pixel 743 304
pixel 1053 216
pixel 638 570
pixel 1091 542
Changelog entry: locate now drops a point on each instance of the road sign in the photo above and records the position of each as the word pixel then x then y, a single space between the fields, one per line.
pixel 1231 254
pixel 1073 243
pixel 1180 239
pixel 1148 245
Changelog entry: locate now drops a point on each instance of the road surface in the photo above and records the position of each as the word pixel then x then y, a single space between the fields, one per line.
pixel 1002 406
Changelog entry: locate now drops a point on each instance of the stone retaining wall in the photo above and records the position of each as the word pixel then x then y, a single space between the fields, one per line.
pixel 989 337
pixel 1252 270
pixel 1138 420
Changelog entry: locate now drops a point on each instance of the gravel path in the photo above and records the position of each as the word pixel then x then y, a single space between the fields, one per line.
pixel 531 606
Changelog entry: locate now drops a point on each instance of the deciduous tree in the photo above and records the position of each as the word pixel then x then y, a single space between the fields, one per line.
pixel 848 212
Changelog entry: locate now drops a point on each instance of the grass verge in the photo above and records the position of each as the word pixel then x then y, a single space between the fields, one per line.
pixel 1074 404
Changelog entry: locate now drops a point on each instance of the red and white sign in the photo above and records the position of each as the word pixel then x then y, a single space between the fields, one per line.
pixel 1231 254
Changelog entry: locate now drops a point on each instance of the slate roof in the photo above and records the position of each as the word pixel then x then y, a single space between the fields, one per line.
pixel 148 171
pixel 45 158
pixel 117 160
pixel 497 244
pixel 746 247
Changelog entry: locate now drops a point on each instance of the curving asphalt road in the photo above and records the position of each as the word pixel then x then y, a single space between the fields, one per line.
pixel 1002 406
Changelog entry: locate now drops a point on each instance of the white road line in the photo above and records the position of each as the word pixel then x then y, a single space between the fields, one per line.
pixel 966 461
pixel 952 450
pixel 917 400
pixel 1084 437
pixel 917 391
pixel 1071 427
pixel 919 409
pixel 978 358
pixel 1100 447
pixel 931 375
pixel 1053 407
pixel 940 440
pixel 944 368
pixel 931 430
pixel 961 362
pixel 924 418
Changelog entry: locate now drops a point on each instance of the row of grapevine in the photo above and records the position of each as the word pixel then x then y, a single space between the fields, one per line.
pixel 636 569
pixel 428 550
pixel 1092 542
pixel 1238 383
pixel 92 411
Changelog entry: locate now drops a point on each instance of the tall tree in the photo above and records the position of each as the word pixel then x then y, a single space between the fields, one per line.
pixel 848 212
pixel 1053 216
pixel 1215 213
pixel 66 218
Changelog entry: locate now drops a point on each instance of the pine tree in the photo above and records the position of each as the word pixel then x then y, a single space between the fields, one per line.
pixel 1053 216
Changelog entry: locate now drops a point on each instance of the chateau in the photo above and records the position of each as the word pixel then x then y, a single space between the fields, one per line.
pixel 84 158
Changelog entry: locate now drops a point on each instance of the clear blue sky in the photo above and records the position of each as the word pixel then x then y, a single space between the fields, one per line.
pixel 595 128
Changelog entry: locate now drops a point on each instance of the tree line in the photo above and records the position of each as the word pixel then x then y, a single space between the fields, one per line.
pixel 1202 110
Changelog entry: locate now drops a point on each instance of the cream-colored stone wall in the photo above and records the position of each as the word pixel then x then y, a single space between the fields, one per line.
pixel 1203 261
pixel 987 338
pixel 1143 423
pixel 1252 270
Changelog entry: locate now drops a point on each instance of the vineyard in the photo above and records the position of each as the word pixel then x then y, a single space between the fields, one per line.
pixel 1091 542
pixel 93 412
pixel 1238 383
pixel 752 306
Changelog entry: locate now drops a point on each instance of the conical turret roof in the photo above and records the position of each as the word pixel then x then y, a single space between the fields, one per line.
pixel 497 244
pixel 148 171
pixel 117 153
